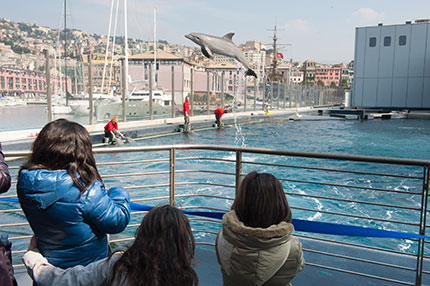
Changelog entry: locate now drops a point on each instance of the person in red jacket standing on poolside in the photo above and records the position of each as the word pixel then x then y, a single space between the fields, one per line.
pixel 186 114
pixel 218 115
pixel 111 129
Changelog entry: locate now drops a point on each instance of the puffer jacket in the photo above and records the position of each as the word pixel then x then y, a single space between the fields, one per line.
pixel 257 256
pixel 71 228
pixel 4 174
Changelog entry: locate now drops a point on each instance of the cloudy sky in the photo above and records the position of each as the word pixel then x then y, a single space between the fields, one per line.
pixel 322 30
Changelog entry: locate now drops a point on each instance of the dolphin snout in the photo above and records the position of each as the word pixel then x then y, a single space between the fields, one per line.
pixel 188 36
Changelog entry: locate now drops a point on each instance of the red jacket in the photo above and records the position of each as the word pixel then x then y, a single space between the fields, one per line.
pixel 219 111
pixel 186 107
pixel 110 126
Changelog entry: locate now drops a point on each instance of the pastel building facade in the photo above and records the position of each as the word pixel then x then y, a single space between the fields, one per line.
pixel 25 82
pixel 328 74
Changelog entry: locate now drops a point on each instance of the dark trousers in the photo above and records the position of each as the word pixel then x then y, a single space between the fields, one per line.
pixel 109 135
pixel 218 119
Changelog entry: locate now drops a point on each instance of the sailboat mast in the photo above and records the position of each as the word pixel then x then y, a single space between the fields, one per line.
pixel 65 51
pixel 275 56
pixel 155 47
pixel 107 47
pixel 126 50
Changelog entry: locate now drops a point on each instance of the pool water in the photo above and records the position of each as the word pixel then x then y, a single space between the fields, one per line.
pixel 393 138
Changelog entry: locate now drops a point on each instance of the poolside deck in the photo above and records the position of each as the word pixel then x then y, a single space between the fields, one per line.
pixel 209 271
pixel 22 139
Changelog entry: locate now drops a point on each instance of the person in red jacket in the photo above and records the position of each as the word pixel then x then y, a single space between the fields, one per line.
pixel 111 129
pixel 218 115
pixel 187 114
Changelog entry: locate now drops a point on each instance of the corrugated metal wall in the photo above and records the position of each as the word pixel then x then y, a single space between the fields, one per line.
pixel 392 66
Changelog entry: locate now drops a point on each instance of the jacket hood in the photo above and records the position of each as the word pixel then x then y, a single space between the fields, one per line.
pixel 255 236
pixel 43 187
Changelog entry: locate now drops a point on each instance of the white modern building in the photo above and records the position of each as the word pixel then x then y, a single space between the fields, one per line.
pixel 392 66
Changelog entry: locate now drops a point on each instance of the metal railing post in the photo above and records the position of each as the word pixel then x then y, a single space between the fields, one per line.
pixel 244 98
pixel 48 85
pixel 90 90
pixel 150 91
pixel 255 94
pixel 222 89
pixel 208 94
pixel 124 89
pixel 238 168
pixel 173 92
pixel 264 93
pixel 192 93
pixel 271 95
pixel 423 216
pixel 172 177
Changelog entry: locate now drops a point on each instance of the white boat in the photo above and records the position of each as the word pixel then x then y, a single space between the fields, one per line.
pixel 12 101
pixel 137 106
pixel 80 107
pixel 61 109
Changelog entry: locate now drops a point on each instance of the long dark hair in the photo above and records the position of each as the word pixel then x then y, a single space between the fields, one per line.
pixel 162 253
pixel 65 145
pixel 260 201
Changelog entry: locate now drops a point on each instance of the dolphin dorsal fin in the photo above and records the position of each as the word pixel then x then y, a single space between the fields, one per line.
pixel 229 36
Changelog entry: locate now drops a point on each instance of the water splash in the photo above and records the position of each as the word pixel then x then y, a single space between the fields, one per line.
pixel 239 139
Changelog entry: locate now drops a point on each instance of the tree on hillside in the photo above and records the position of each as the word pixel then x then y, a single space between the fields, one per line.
pixel 344 83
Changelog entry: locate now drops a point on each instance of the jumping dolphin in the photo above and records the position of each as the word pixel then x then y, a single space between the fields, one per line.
pixel 223 46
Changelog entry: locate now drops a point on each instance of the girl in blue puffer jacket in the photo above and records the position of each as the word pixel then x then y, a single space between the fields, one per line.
pixel 64 198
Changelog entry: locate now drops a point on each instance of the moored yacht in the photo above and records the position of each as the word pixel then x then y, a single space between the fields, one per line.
pixel 137 105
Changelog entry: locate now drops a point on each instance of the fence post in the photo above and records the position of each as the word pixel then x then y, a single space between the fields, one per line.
pixel 423 217
pixel 208 93
pixel 238 168
pixel 48 85
pixel 264 93
pixel 222 89
pixel 150 91
pixel 172 177
pixel 244 94
pixel 271 95
pixel 90 90
pixel 279 94
pixel 173 92
pixel 255 94
pixel 124 89
pixel 192 92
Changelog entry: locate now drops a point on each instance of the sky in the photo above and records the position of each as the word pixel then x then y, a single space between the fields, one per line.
pixel 322 30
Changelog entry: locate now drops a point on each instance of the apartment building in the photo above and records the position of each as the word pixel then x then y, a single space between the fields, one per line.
pixel 25 82
pixel 328 75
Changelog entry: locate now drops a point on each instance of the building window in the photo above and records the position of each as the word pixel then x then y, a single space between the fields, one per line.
pixel 387 41
pixel 372 42
pixel 402 40
pixel 10 83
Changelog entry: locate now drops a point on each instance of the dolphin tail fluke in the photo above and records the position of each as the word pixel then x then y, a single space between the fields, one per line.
pixel 251 72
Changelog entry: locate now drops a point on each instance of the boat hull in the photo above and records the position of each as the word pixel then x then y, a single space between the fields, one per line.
pixel 134 109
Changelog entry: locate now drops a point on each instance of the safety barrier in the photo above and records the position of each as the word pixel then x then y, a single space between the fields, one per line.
pixel 335 193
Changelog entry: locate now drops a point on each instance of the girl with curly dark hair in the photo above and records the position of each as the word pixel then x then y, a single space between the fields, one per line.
pixel 162 254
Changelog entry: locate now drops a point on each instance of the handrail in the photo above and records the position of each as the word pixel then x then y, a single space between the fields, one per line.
pixel 371 159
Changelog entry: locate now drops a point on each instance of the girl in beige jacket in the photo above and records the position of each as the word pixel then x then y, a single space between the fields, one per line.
pixel 255 245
